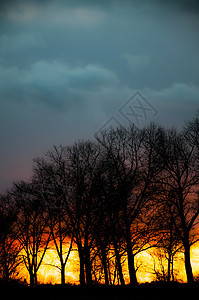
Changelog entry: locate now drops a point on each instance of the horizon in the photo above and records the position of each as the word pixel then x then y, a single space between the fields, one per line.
pixel 49 273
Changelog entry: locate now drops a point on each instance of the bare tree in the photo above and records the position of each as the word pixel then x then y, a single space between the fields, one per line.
pixel 103 241
pixel 168 242
pixel 83 160
pixel 180 175
pixel 50 175
pixel 130 190
pixel 132 166
pixel 31 226
pixel 10 249
pixel 70 184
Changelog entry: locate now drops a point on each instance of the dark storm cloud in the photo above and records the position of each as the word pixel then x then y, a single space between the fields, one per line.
pixel 54 53
pixel 53 83
pixel 187 5
pixel 66 67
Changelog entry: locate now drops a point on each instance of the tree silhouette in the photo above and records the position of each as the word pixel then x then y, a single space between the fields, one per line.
pixel 50 175
pixel 168 242
pixel 31 226
pixel 83 160
pixel 131 168
pixel 10 249
pixel 129 190
pixel 180 174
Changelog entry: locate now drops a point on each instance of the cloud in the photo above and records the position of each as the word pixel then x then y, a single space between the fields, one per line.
pixel 66 67
pixel 20 42
pixel 175 104
pixel 183 5
pixel 18 10
pixel 18 50
pixel 50 12
pixel 136 61
pixel 54 83
pixel 78 17
pixel 180 94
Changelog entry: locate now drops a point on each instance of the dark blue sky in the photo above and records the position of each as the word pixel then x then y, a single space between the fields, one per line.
pixel 67 67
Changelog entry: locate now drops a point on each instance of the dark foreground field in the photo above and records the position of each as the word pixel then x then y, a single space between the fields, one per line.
pixel 146 291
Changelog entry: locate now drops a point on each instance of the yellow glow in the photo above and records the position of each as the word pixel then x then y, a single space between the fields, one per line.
pixel 49 273
pixel 195 258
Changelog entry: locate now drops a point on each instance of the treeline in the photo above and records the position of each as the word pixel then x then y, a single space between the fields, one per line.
pixel 130 189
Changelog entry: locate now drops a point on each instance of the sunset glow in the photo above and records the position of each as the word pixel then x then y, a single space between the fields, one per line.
pixel 49 272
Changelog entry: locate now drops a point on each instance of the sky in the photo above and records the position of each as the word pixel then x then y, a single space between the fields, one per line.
pixel 71 68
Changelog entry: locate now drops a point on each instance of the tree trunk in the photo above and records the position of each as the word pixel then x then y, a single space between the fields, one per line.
pixel 172 270
pixel 169 268
pixel 81 261
pixel 62 273
pixel 188 267
pixel 185 241
pixel 88 267
pixel 131 261
pixel 104 263
pixel 119 267
pixel 32 281
pixel 131 267
pixel 35 279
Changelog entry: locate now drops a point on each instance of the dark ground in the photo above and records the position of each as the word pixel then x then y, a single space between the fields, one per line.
pixel 145 291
